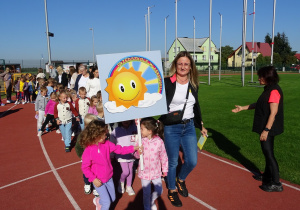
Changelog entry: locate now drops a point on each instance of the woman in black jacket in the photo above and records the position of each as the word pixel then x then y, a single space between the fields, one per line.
pixel 182 84
pixel 268 122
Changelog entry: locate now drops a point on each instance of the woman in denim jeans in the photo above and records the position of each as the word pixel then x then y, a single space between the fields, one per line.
pixel 183 75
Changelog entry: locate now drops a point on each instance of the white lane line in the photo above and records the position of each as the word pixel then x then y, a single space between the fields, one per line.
pixel 201 202
pixel 37 175
pixel 293 187
pixel 7 110
pixel 60 181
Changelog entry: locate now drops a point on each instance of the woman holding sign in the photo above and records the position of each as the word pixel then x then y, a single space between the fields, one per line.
pixel 184 116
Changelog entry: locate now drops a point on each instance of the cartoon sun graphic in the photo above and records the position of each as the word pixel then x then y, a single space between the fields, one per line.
pixel 126 87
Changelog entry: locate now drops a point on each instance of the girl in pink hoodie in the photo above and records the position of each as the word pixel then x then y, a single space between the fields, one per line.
pixel 96 164
pixel 155 160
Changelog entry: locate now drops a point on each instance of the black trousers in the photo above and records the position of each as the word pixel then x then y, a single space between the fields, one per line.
pixel 49 118
pixel 8 92
pixel 271 174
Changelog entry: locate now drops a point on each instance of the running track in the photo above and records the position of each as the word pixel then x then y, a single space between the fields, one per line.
pixel 36 173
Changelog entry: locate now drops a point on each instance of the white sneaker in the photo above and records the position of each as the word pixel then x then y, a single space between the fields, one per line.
pixel 40 133
pixel 16 102
pixel 87 189
pixel 153 206
pixel 121 188
pixel 57 131
pixel 95 193
pixel 62 138
pixel 73 134
pixel 23 102
pixel 8 101
pixel 129 190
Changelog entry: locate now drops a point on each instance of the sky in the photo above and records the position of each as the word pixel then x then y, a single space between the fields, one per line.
pixel 119 26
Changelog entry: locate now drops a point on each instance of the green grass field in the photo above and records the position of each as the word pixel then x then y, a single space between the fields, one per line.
pixel 230 134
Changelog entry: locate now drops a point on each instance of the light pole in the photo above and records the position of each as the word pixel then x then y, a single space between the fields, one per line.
pixel 92 29
pixel 149 24
pixel 244 41
pixel 273 27
pixel 175 28
pixel 209 44
pixel 220 62
pixel 253 26
pixel 146 32
pixel 47 32
pixel 194 38
pixel 166 43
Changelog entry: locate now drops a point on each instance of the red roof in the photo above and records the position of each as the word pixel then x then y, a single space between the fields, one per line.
pixel 260 47
pixel 297 56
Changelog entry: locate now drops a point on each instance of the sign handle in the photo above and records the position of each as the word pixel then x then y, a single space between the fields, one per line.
pixel 140 143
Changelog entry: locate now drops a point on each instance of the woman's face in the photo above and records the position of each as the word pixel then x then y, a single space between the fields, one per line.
pixel 261 81
pixel 84 72
pixel 183 66
pixel 96 74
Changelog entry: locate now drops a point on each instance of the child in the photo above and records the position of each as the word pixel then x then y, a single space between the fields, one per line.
pixel 40 74
pixel 100 112
pixel 17 90
pixel 76 127
pixel 50 86
pixel 63 115
pixel 122 135
pixel 49 114
pixel 40 105
pixel 93 107
pixel 82 105
pixel 99 96
pixel 155 160
pixel 40 83
pixel 23 86
pixel 79 150
pixel 96 164
pixel 31 86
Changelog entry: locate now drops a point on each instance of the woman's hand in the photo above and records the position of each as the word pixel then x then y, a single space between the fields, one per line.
pixel 264 136
pixel 204 131
pixel 97 182
pixel 237 109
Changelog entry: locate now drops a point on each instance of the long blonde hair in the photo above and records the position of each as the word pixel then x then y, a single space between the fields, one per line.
pixel 193 75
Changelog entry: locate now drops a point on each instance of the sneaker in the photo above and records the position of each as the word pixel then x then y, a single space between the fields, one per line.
pixel 272 187
pixel 153 206
pixel 173 197
pixel 17 102
pixel 121 188
pixel 95 193
pixel 182 188
pixel 8 101
pixel 40 132
pixel 48 129
pixel 62 138
pixel 23 102
pixel 2 104
pixel 87 189
pixel 129 190
pixel 57 131
pixel 67 149
pixel 96 203
pixel 73 134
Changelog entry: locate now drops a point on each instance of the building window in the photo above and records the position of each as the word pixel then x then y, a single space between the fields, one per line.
pixel 211 57
pixel 178 49
pixel 195 58
pixel 204 49
pixel 204 57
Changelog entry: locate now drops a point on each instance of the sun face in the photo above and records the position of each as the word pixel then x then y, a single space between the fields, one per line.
pixel 126 87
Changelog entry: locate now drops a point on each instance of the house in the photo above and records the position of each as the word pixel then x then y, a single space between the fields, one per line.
pixel 235 59
pixel 297 55
pixel 201 51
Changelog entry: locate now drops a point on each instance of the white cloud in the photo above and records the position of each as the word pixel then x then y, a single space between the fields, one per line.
pixel 149 100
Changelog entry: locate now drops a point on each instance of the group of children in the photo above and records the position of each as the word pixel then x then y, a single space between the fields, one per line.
pixel 73 113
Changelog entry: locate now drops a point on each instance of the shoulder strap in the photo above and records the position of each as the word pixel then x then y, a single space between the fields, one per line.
pixel 186 98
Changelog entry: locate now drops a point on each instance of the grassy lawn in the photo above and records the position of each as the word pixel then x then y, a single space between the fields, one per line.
pixel 230 134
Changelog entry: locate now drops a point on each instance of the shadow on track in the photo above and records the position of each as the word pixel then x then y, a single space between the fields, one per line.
pixel 5 113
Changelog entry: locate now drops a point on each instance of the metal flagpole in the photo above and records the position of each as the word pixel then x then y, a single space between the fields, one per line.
pixel 149 48
pixel 244 41
pixel 146 32
pixel 274 7
pixel 209 50
pixel 175 28
pixel 47 32
pixel 194 56
pixel 220 45
pixel 253 27
pixel 166 44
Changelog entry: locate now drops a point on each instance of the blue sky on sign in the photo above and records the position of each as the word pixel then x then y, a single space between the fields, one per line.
pixel 119 26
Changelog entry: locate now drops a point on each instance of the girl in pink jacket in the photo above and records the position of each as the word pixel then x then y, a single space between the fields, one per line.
pixel 96 164
pixel 155 160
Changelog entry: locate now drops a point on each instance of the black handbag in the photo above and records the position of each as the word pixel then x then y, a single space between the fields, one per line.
pixel 175 117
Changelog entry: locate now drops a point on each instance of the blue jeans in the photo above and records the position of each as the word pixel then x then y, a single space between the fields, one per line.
pixel 183 135
pixel 66 132
pixel 106 193
pixel 81 123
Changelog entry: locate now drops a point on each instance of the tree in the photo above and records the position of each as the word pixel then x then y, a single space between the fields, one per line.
pixel 282 47
pixel 226 51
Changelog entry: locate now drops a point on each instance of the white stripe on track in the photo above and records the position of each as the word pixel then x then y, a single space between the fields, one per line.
pixel 201 202
pixel 293 187
pixel 37 175
pixel 8 110
pixel 60 181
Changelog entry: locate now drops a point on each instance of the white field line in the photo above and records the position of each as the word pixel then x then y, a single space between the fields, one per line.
pixel 293 187
pixel 8 110
pixel 60 181
pixel 201 202
pixel 37 175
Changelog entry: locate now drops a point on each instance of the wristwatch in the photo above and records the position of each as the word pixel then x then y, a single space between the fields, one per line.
pixel 267 129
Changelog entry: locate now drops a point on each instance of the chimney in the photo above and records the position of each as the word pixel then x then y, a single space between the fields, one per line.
pixel 258 44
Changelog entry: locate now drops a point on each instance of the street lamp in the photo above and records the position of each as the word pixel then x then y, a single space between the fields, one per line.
pixel 92 29
pixel 47 32
pixel 220 46
pixel 146 33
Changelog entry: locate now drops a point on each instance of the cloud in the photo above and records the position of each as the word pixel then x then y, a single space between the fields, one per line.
pixel 149 100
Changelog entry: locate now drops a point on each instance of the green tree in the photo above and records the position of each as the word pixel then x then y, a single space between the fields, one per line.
pixel 226 51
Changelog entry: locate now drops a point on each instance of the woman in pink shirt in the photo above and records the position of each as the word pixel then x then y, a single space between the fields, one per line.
pixel 96 164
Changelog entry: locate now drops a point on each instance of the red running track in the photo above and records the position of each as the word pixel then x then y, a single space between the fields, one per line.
pixel 29 182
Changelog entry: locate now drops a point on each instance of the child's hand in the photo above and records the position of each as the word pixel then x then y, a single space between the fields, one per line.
pixel 165 174
pixel 37 112
pixel 97 182
pixel 77 119
pixel 45 115
pixel 139 149
pixel 58 122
